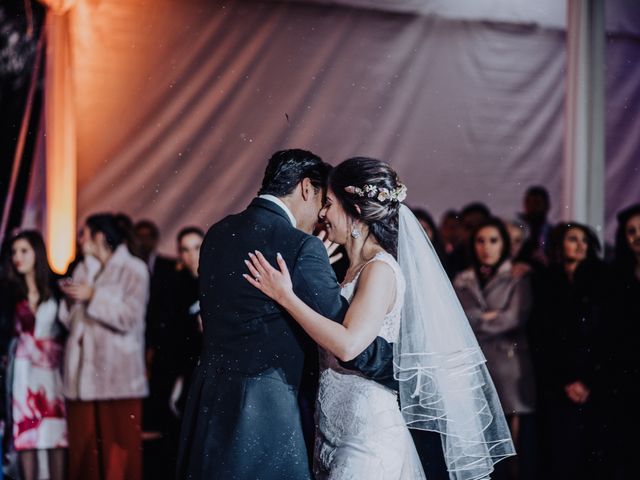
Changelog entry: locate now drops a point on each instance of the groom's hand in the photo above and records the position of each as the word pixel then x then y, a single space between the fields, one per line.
pixel 274 283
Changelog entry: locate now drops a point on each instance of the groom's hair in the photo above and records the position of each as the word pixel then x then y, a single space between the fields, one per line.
pixel 287 168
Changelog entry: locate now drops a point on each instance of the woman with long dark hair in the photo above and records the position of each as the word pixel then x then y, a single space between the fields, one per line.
pixel 498 304
pixel 625 337
pixel 104 372
pixel 36 401
pixel 397 290
pixel 573 315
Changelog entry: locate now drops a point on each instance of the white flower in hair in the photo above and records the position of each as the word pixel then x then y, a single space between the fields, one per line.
pixel 399 194
pixel 371 190
pixel 354 190
pixel 381 194
pixel 384 195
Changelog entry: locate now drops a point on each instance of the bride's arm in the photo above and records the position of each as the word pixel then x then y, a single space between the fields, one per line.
pixel 363 319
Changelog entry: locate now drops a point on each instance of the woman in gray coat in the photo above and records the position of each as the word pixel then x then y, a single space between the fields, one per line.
pixel 497 300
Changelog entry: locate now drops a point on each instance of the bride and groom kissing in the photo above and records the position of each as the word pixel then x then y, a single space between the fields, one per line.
pixel 395 349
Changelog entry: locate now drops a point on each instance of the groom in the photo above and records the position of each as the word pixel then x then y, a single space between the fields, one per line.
pixel 242 419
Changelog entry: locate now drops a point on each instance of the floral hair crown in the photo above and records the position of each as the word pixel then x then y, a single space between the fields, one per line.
pixel 381 194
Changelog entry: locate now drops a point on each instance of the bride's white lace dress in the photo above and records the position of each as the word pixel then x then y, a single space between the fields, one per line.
pixel 361 432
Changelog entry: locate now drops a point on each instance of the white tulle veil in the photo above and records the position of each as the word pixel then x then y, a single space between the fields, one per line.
pixel 444 383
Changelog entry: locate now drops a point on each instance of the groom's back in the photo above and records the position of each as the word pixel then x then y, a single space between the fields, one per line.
pixel 245 331
pixel 242 418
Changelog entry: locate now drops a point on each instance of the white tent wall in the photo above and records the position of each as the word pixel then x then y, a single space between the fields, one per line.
pixel 622 128
pixel 180 106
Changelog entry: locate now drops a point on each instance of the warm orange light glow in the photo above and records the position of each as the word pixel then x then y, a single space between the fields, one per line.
pixel 60 234
pixel 61 162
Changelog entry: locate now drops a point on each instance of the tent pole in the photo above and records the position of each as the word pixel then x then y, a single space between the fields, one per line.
pixel 584 153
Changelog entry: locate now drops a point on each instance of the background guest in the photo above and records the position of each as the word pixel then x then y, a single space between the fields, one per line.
pixel 523 263
pixel 162 271
pixel 471 216
pixel 104 374
pixel 36 401
pixel 162 275
pixel 180 354
pixel 625 339
pixel 77 259
pixel 188 325
pixel 451 230
pixel 429 226
pixel 573 303
pixel 125 225
pixel 518 235
pixel 498 305
pixel 537 204
pixel 127 228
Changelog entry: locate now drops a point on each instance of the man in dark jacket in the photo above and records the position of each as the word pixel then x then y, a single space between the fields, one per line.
pixel 242 418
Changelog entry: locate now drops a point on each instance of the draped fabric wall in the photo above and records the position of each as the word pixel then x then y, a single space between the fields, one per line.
pixel 622 101
pixel 179 104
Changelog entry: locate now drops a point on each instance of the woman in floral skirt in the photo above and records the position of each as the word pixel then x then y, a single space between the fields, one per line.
pixel 36 402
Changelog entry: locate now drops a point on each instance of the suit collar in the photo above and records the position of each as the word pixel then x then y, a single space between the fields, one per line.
pixel 271 206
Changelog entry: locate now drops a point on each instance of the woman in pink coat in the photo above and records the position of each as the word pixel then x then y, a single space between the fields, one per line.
pixel 104 371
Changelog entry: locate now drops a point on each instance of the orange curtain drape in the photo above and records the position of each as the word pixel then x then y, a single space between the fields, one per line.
pixel 60 139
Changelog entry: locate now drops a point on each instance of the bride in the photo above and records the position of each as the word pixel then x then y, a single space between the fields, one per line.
pixel 397 290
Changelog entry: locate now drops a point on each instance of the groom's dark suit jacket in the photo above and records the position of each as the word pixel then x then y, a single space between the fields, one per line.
pixel 242 419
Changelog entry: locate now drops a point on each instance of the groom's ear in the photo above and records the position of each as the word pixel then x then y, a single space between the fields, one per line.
pixel 307 188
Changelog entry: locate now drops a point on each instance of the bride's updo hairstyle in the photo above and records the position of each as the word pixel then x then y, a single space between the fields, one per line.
pixel 373 187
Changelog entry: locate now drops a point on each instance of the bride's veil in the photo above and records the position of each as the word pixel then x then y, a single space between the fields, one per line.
pixel 444 383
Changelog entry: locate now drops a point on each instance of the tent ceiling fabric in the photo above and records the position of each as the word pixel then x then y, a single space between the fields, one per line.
pixel 623 16
pixel 545 13
pixel 180 103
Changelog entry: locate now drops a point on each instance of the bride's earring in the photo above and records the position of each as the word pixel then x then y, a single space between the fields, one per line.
pixel 355 233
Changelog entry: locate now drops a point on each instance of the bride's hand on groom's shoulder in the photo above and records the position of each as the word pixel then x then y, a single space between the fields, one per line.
pixel 330 246
pixel 275 283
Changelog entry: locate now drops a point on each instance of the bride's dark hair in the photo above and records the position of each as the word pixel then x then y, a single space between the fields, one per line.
pixel 381 216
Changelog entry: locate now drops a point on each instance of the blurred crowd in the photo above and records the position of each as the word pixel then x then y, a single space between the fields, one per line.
pixel 559 327
pixel 96 363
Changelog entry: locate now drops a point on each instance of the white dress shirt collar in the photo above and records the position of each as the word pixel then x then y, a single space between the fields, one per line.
pixel 281 204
